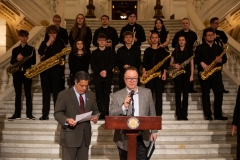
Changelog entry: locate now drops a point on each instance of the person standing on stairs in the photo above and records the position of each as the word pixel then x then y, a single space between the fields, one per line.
pixel 191 37
pixel 127 56
pixel 102 63
pixel 20 53
pixel 152 56
pixel 182 53
pixel 51 79
pixel 205 54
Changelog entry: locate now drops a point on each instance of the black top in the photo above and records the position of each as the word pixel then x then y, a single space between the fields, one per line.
pixel 25 52
pixel 62 33
pixel 111 34
pixel 127 56
pixel 140 33
pixel 205 53
pixel 222 37
pixel 49 51
pixel 87 38
pixel 236 113
pixel 162 35
pixel 191 37
pixel 79 63
pixel 102 60
pixel 152 56
pixel 180 57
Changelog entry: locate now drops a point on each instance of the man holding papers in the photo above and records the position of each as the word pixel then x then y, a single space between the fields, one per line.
pixel 143 106
pixel 75 137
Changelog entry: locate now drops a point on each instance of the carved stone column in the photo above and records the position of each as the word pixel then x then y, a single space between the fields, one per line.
pixel 90 10
pixel 158 10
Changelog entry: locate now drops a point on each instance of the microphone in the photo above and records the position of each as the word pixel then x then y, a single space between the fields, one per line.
pixel 131 93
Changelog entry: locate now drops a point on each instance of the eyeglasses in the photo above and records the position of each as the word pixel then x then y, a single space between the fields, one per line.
pixel 131 79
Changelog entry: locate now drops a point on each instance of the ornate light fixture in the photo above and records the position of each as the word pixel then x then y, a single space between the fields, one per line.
pixel 123 16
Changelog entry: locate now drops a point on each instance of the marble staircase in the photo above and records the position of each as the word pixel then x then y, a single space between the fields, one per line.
pixel 195 139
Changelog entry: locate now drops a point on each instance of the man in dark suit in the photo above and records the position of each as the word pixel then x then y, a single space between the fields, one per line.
pixel 143 105
pixel 236 123
pixel 75 137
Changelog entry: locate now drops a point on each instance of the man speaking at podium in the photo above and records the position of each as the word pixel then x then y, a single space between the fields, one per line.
pixel 121 105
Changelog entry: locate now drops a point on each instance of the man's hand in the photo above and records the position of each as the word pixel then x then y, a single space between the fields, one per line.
pixel 126 66
pixel 94 119
pixel 218 59
pixel 204 66
pixel 144 74
pixel 164 76
pixel 234 130
pixel 71 122
pixel 191 78
pixel 153 137
pixel 19 57
pixel 108 44
pixel 103 73
pixel 177 66
pixel 127 101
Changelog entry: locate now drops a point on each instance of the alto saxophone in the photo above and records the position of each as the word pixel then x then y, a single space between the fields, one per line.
pixel 152 72
pixel 176 72
pixel 50 62
pixel 18 65
pixel 211 68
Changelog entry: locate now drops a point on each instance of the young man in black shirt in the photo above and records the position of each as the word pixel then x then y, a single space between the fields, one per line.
pixel 102 63
pixel 191 37
pixel 21 53
pixel 127 56
pixel 137 29
pixel 110 32
pixel 205 54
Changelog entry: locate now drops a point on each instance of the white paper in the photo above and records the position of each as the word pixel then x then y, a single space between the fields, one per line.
pixel 85 117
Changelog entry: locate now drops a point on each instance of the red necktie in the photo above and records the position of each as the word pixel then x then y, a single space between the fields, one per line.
pixel 81 104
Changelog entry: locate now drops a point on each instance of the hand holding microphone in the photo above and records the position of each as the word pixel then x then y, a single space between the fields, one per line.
pixel 128 99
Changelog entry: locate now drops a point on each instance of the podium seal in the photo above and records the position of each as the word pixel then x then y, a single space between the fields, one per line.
pixel 133 123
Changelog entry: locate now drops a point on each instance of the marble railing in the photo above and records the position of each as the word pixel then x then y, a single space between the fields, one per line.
pixel 36 36
pixel 232 67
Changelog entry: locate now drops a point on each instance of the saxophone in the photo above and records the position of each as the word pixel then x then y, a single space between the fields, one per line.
pixel 181 70
pixel 50 62
pixel 18 65
pixel 211 68
pixel 152 72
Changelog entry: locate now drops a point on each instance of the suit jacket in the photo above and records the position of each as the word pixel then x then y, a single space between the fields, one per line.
pixel 67 106
pixel 146 108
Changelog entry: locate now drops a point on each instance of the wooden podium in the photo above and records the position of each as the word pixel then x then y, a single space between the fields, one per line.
pixel 132 126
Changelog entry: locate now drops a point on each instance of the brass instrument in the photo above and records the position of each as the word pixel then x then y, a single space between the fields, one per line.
pixel 109 41
pixel 134 35
pixel 152 72
pixel 50 62
pixel 18 65
pixel 174 73
pixel 211 68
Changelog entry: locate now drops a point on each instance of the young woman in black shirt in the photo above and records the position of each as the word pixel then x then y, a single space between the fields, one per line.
pixel 182 53
pixel 79 60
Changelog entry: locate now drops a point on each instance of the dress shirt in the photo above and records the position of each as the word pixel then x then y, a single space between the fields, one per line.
pixel 78 95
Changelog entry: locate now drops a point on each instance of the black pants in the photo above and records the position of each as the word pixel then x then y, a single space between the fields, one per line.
pixel 141 150
pixel 51 81
pixel 215 83
pixel 18 80
pixel 181 85
pixel 103 90
pixel 156 85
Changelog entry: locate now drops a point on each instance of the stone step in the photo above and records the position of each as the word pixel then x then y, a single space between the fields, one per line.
pixel 106 148
pixel 29 156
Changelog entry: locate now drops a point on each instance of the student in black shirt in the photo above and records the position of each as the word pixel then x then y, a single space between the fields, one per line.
pixel 110 32
pixel 127 56
pixel 205 54
pixel 152 56
pixel 81 30
pixel 79 60
pixel 182 53
pixel 102 63
pixel 51 79
pixel 191 37
pixel 133 27
pixel 18 55
pixel 164 37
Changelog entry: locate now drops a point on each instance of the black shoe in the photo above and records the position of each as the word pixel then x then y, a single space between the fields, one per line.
pixel 30 117
pixel 192 91
pixel 185 118
pixel 179 118
pixel 225 91
pixel 209 118
pixel 221 118
pixel 44 118
pixel 14 116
